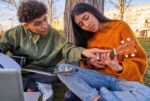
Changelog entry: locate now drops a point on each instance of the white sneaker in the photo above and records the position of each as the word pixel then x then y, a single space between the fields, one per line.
pixel 46 90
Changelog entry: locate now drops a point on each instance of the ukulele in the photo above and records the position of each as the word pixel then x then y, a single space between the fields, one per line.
pixel 126 48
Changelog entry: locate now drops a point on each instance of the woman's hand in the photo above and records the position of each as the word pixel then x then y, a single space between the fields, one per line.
pixel 103 58
pixel 96 63
pixel 113 64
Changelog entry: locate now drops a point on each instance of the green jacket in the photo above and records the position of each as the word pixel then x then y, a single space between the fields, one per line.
pixel 43 50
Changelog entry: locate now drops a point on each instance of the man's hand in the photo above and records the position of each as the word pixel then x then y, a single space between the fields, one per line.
pixel 92 53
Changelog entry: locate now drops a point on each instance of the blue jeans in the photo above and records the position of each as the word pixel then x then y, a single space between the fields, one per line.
pixel 86 84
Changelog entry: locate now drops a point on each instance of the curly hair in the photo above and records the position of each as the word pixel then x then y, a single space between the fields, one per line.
pixel 30 10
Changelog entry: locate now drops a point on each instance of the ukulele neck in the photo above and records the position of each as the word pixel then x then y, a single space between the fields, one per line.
pixel 113 53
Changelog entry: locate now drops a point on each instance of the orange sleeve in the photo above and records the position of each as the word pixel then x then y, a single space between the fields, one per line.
pixel 134 68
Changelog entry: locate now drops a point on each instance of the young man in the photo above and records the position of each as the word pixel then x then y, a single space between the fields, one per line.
pixel 38 41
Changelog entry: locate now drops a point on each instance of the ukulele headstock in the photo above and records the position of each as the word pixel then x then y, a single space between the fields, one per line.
pixel 126 48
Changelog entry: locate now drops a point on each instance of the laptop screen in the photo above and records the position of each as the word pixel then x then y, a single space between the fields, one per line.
pixel 8 63
pixel 11 88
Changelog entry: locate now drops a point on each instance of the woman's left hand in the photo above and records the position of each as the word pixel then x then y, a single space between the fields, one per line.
pixel 96 64
pixel 112 63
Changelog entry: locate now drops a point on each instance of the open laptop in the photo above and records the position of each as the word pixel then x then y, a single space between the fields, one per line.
pixel 11 88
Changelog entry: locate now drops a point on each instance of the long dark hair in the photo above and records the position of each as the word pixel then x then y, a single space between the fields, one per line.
pixel 82 36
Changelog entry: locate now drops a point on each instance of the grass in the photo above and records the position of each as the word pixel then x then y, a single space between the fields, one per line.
pixel 59 91
pixel 146 45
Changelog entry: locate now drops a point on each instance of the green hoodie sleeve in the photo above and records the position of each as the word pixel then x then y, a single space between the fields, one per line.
pixel 70 52
pixel 6 42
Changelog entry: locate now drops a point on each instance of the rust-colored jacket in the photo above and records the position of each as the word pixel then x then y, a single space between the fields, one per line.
pixel 110 37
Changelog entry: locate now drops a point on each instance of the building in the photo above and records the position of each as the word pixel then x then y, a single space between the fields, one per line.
pixel 112 14
pixel 145 30
pixel 58 24
pixel 138 17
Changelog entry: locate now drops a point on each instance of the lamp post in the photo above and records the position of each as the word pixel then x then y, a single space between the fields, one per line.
pixel 11 23
pixel 1 30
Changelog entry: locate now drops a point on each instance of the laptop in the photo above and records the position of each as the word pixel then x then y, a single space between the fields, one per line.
pixel 11 88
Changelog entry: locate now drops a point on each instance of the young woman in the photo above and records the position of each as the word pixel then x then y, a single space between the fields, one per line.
pixel 92 29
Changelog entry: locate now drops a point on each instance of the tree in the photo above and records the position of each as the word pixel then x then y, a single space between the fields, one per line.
pixel 1 30
pixel 99 4
pixel 50 10
pixel 121 5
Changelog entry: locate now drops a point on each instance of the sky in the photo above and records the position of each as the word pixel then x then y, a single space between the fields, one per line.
pixel 138 2
pixel 8 15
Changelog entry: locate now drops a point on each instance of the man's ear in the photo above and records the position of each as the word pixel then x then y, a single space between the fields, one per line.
pixel 26 25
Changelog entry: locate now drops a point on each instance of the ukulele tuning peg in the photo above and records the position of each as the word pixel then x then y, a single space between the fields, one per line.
pixel 126 56
pixel 132 55
pixel 122 42
pixel 128 39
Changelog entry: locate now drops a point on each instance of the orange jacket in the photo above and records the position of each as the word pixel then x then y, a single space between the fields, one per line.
pixel 109 38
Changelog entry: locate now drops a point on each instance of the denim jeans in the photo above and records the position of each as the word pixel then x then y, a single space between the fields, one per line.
pixel 86 84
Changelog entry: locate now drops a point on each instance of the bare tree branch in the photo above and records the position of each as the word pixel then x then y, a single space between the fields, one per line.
pixel 14 3
pixel 128 4
pixel 50 10
pixel 121 6
pixel 116 5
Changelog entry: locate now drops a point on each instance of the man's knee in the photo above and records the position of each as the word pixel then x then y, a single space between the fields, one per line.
pixel 67 66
